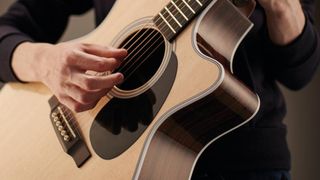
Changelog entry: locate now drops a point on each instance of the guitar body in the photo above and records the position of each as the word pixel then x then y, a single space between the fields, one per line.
pixel 199 101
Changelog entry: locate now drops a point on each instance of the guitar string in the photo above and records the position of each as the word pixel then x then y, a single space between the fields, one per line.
pixel 67 112
pixel 162 23
pixel 177 12
pixel 128 49
pixel 147 56
pixel 144 27
pixel 69 117
pixel 174 11
pixel 129 41
pixel 131 73
pixel 74 122
pixel 141 62
pixel 131 52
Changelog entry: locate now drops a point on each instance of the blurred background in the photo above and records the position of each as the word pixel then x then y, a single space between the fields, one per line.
pixel 303 108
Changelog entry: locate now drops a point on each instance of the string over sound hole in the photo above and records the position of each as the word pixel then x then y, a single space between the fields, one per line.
pixel 146 49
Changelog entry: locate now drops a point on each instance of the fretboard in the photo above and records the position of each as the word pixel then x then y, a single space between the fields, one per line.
pixel 176 15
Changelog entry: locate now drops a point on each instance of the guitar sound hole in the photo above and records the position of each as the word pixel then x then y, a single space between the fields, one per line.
pixel 146 49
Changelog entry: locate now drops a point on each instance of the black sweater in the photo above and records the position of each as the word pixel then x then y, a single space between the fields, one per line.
pixel 260 144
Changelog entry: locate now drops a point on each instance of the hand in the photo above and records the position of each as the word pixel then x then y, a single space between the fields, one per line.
pixel 273 4
pixel 64 67
pixel 285 19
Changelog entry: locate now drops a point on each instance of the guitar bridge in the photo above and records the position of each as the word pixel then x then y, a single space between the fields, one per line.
pixel 65 127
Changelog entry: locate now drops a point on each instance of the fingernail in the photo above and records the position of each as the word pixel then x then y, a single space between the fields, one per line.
pixel 124 50
pixel 120 78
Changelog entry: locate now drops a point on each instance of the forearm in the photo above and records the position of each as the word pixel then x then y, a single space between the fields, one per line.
pixel 285 20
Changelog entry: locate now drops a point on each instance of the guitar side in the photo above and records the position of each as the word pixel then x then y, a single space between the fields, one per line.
pixel 183 134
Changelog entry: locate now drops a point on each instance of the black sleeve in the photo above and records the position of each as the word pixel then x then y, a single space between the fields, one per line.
pixel 34 20
pixel 295 64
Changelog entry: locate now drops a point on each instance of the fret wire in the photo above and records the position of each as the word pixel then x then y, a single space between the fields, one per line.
pixel 173 6
pixel 174 18
pixel 189 7
pixel 183 15
pixel 166 20
pixel 169 35
pixel 195 6
pixel 186 11
pixel 177 14
pixel 202 1
pixel 167 23
pixel 157 17
pixel 199 3
pixel 170 19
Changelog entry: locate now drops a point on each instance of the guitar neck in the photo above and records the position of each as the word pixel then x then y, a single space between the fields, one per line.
pixel 176 15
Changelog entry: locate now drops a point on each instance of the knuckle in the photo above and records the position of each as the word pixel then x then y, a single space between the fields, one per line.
pixel 86 46
pixel 113 63
pixel 102 64
pixel 70 56
pixel 88 84
pixel 82 46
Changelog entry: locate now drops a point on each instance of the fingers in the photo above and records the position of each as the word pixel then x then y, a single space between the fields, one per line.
pixel 105 51
pixel 84 91
pixel 93 57
pixel 69 78
pixel 89 82
pixel 86 61
pixel 81 99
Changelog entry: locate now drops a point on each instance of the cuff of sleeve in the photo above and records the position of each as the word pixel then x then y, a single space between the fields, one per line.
pixel 296 52
pixel 7 47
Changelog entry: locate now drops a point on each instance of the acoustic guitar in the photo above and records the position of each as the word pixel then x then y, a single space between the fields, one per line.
pixel 178 97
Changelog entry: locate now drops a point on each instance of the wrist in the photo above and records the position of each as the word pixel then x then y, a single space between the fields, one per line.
pixel 41 56
pixel 28 61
